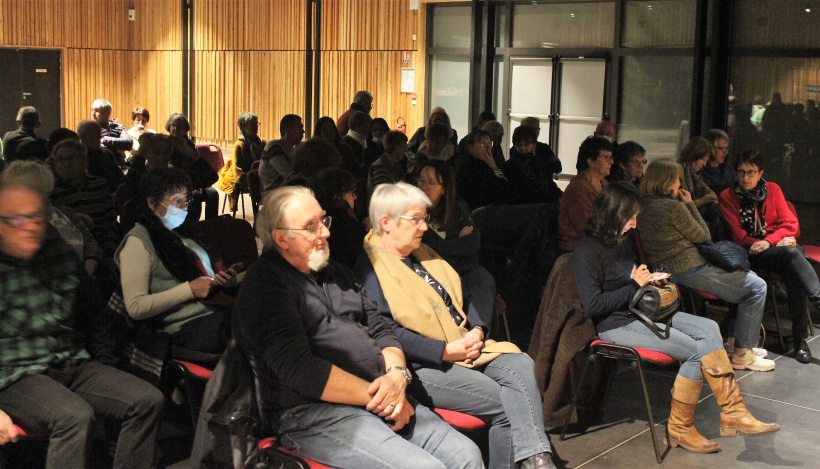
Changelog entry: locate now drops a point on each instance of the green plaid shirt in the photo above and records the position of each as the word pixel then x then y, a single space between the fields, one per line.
pixel 36 309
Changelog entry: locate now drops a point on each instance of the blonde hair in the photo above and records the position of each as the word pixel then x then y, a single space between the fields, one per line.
pixel 659 176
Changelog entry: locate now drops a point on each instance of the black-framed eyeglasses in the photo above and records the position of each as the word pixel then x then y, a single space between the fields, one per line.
pixel 313 227
pixel 416 220
pixel 19 221
pixel 751 173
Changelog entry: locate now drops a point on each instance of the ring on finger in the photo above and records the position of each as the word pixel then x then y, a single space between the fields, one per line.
pixel 391 405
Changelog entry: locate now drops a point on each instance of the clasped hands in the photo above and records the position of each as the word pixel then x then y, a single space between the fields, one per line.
pixel 389 401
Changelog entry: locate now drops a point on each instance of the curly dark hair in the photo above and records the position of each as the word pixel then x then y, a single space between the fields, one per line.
pixel 611 210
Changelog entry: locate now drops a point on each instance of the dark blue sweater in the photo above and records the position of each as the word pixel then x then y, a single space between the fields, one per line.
pixel 602 277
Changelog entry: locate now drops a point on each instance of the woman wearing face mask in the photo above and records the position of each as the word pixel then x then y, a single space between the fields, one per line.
pixel 170 277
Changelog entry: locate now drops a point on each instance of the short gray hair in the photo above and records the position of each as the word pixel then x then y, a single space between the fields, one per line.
pixel 273 212
pixel 85 124
pixel 245 118
pixel 101 105
pixel 392 200
pixel 31 174
pixel 713 135
pixel 362 97
pixel 28 117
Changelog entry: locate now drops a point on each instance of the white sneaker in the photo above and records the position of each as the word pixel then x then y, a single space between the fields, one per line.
pixel 730 348
pixel 751 361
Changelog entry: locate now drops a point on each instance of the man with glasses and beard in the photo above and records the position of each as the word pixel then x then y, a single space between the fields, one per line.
pixel 332 373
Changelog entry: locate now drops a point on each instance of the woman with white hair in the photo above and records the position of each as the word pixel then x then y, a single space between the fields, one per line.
pixel 443 338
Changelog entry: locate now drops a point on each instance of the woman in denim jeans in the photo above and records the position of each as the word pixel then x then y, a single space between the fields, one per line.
pixel 671 227
pixel 607 277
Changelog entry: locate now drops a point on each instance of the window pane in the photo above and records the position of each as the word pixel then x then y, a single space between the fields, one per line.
pixel 451 26
pixel 564 25
pixel 665 23
pixel 656 94
pixel 781 23
pixel 450 89
pixel 787 134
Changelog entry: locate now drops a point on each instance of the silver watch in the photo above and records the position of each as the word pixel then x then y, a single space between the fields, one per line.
pixel 407 375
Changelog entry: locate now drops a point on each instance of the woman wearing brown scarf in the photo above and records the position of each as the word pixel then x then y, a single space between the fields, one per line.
pixel 763 223
pixel 443 336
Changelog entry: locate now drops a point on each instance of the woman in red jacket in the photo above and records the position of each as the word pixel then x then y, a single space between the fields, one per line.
pixel 763 223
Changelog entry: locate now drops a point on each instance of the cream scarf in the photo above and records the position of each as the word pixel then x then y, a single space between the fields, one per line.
pixel 417 306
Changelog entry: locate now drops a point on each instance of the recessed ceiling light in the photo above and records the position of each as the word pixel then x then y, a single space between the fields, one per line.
pixel 808 10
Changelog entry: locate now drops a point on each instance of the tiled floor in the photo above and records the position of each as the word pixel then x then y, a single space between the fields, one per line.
pixel 788 396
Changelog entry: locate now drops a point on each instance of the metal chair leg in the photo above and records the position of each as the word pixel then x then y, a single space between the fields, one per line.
pixel 592 356
pixel 655 443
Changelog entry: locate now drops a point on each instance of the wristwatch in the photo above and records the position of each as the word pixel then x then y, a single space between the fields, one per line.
pixel 407 375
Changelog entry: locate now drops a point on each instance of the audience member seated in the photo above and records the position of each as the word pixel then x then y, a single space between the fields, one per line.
pixel 155 152
pixel 114 135
pixel 276 162
pixel 48 384
pixel 171 277
pixel 358 135
pixel 436 145
pixel 378 129
pixel 325 129
pixel 58 135
pixel 671 228
pixel 593 165
pixel 375 146
pixel 479 180
pixel 392 166
pixel 437 116
pixel 763 223
pixel 496 131
pixel 331 371
pixel 718 173
pixel 483 118
pixel 529 172
pixel 607 278
pixel 629 161
pixel 202 174
pixel 140 116
pixel 77 189
pixel 607 129
pixel 542 149
pixel 335 191
pixel 419 295
pixel 362 102
pixel 454 237
pixel 247 149
pixel 101 161
pixel 23 143
pixel 695 156
pixel 312 157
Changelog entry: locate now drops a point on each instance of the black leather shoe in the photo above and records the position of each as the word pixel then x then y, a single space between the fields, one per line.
pixel 538 461
pixel 802 353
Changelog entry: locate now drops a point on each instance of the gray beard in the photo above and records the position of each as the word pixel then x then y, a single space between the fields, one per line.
pixel 318 259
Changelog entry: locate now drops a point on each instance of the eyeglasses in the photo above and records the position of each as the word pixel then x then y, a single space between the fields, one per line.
pixel 429 183
pixel 179 203
pixel 609 159
pixel 19 221
pixel 638 162
pixel 723 149
pixel 751 173
pixel 313 227
pixel 416 220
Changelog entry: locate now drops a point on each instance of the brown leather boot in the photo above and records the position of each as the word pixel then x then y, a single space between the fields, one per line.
pixel 680 429
pixel 734 418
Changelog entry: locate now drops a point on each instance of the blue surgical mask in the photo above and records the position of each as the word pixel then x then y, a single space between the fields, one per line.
pixel 173 217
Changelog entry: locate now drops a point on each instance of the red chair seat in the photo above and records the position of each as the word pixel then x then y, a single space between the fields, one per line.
pixel 646 354
pixel 704 294
pixel 461 420
pixel 813 252
pixel 196 370
pixel 271 443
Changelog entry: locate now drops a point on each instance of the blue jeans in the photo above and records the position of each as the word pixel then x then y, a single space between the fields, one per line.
pixel 63 401
pixel 478 286
pixel 344 436
pixel 744 288
pixel 691 338
pixel 504 394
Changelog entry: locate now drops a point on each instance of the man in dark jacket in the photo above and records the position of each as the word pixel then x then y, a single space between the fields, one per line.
pixel 23 143
pixel 332 373
pixel 114 135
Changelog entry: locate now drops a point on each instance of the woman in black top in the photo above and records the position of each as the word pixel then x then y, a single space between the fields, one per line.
pixel 606 278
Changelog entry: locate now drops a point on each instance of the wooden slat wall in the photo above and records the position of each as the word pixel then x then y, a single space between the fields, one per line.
pixel 104 54
pixel 248 56
pixel 754 77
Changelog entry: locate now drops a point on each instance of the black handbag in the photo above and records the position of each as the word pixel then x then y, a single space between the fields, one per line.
pixel 652 304
pixel 725 254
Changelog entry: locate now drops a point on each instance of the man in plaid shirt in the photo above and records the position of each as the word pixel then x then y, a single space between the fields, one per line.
pixel 48 384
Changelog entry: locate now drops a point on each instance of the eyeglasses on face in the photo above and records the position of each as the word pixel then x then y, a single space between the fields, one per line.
pixel 19 221
pixel 429 183
pixel 178 201
pixel 417 220
pixel 313 227
pixel 751 173
pixel 723 149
